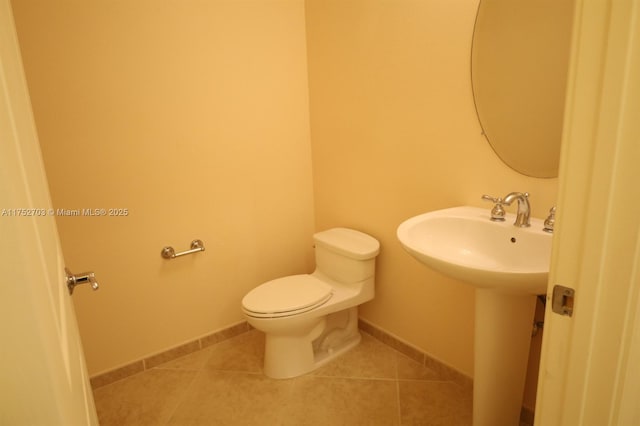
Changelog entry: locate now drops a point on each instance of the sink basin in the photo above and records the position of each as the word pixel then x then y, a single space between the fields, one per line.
pixel 508 266
pixel 463 243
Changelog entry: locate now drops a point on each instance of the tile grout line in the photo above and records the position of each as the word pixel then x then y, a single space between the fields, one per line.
pixel 199 372
pixel 282 415
pixel 414 353
pixel 398 402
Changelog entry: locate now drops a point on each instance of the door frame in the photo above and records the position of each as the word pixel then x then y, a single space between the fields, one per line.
pixel 587 374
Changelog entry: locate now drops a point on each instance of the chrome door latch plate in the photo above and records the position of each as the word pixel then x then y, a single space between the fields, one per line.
pixel 562 300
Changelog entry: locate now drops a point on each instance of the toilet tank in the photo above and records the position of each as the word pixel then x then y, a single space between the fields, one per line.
pixel 346 255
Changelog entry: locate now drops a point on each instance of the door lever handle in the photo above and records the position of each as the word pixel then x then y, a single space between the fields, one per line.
pixel 85 277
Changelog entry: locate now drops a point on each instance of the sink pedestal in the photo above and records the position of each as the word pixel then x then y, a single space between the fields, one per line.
pixel 508 265
pixel 503 325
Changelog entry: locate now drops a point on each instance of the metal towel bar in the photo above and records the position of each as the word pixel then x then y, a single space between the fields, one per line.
pixel 169 253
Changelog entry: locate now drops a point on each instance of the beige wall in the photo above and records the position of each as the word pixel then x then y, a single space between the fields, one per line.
pixel 394 134
pixel 192 115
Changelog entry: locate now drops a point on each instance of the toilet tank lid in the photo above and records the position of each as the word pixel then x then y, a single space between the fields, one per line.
pixel 348 242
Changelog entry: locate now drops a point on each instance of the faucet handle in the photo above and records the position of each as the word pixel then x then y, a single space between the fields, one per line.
pixel 550 221
pixel 492 199
pixel 497 212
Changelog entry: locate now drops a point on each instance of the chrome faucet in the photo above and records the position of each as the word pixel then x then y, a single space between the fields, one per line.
pixel 524 209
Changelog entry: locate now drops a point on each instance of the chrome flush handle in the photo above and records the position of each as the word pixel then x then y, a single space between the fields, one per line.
pixel 85 277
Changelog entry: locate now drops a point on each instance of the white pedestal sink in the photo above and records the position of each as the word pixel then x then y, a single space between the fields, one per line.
pixel 508 266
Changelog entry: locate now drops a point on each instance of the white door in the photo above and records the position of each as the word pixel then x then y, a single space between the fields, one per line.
pixel 43 378
pixel 590 367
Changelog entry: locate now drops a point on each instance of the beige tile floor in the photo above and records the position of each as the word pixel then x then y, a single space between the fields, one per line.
pixel 224 385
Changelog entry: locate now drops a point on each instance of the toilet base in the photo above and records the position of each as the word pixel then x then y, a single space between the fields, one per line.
pixel 324 357
pixel 291 356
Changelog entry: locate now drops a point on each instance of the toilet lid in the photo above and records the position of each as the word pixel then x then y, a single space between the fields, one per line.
pixel 286 296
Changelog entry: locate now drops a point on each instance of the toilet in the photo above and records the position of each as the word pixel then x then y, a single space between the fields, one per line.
pixel 310 319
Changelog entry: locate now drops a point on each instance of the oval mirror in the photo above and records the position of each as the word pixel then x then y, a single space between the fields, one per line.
pixel 519 63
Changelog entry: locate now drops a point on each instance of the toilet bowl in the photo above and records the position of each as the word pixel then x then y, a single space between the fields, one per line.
pixel 310 319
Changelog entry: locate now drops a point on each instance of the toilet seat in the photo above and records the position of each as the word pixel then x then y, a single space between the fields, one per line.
pixel 286 296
